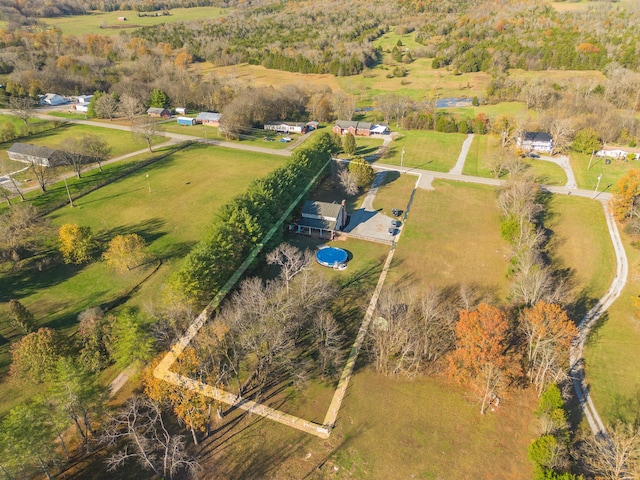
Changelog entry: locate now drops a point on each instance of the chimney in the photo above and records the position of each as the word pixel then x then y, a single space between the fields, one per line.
pixel 343 222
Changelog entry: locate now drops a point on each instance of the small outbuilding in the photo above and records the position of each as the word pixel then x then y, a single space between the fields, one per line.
pixel 82 107
pixel 53 99
pixel 209 118
pixel 159 112
pixel 186 121
pixel 181 111
pixel 34 154
pixel 84 99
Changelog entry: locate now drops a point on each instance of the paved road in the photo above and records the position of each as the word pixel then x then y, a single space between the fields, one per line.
pixel 563 162
pixel 466 145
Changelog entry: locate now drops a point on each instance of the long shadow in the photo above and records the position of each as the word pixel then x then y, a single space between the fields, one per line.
pixel 626 409
pixel 358 217
pixel 583 302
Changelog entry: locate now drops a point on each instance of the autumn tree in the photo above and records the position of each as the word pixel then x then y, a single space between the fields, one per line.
pixel 548 332
pixel 506 127
pixel 481 355
pixel 21 318
pixel 141 434
pixel 193 409
pixel 349 144
pixel 34 357
pixel 363 172
pixel 125 252
pixel 626 195
pixel 76 243
pixel 21 229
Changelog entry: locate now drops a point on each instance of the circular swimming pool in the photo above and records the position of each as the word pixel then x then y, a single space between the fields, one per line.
pixel 331 257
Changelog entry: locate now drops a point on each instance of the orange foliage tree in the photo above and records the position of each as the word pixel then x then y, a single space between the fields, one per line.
pixel 192 409
pixel 548 332
pixel 626 194
pixel 481 356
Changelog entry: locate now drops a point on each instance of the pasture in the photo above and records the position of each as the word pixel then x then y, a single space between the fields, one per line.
pixel 107 23
pixel 186 189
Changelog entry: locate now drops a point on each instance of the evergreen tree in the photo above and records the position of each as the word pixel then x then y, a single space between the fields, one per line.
pixel 159 99
pixel 21 318
pixel 349 144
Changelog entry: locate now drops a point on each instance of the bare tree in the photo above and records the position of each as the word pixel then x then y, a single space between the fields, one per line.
pixel 21 229
pixel 329 338
pixel 106 107
pixel 291 260
pixel 147 131
pixel 561 130
pixel 22 107
pixel 348 182
pixel 73 155
pixel 344 106
pixel 130 106
pixel 147 440
pixel 97 149
pixel 615 456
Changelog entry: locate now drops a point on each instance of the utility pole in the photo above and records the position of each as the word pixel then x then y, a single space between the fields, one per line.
pixel 595 192
pixel 402 158
pixel 68 193
pixel 148 183
pixel 589 166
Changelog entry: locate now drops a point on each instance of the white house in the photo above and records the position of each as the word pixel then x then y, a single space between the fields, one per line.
pixel 53 99
pixel 34 154
pixel 286 127
pixel 535 141
pixel 322 217
pixel 84 99
pixel 617 153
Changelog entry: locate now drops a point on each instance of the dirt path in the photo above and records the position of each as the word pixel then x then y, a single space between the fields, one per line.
pixel 466 145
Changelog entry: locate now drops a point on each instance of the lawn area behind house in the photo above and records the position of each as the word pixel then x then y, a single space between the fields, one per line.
pixel 452 237
pixel 425 149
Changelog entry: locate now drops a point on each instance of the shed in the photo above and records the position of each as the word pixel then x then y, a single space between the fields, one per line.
pixel 84 99
pixel 159 112
pixel 186 121
pixel 181 111
pixel 82 107
pixel 53 99
pixel 34 154
pixel 209 118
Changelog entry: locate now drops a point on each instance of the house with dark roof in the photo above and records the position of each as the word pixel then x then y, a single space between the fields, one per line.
pixel 34 154
pixel 322 218
pixel 360 129
pixel 535 141
pixel 159 112
pixel 209 118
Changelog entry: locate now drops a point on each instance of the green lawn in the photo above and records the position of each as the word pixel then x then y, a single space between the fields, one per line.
pixel 491 111
pixel 452 237
pixel 486 148
pixel 580 242
pixel 121 142
pixel 588 177
pixel 394 192
pixel 186 190
pixel 202 131
pixel 106 23
pixel 611 354
pixel 426 149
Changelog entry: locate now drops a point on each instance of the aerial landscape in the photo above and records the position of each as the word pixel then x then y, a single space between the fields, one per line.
pixel 285 239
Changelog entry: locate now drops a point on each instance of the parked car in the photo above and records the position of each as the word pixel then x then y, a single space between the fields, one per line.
pixel 395 223
pixel 533 155
pixel 285 139
pixel 268 139
pixel 392 231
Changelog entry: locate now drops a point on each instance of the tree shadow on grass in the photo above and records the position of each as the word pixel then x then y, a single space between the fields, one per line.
pixel 626 409
pixel 583 302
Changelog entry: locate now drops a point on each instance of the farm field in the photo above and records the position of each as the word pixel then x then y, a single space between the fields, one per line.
pixel 516 109
pixel 106 23
pixel 165 217
pixel 425 149
pixel 466 249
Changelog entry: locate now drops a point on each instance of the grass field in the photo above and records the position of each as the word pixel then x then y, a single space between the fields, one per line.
pixel 106 23
pixel 121 142
pixel 485 148
pixel 516 109
pixel 426 149
pixel 452 237
pixel 588 177
pixel 394 192
pixel 422 428
pixel 186 190
pixel 580 242
pixel 612 350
